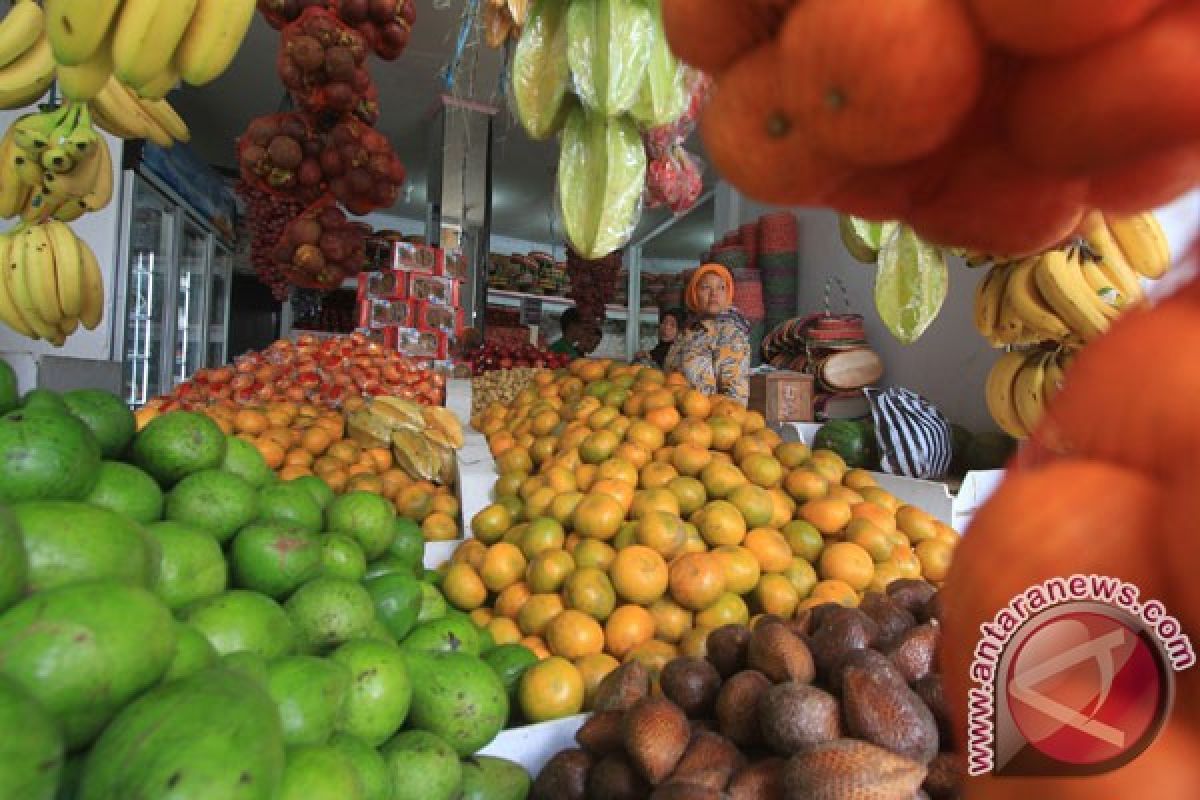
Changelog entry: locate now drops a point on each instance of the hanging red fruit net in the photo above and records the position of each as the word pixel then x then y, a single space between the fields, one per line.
pixel 279 154
pixel 320 247
pixel 593 283
pixel 386 25
pixel 322 62
pixel 363 170
pixel 267 215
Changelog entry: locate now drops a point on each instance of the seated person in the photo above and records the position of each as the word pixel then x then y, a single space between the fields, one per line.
pixel 580 338
pixel 669 323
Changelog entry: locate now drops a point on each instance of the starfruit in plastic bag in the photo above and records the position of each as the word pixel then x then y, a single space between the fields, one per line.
pixel 911 284
pixel 608 48
pixel 541 76
pixel 415 455
pixel 367 429
pixel 398 412
pixel 863 238
pixel 443 427
pixel 662 98
pixel 601 175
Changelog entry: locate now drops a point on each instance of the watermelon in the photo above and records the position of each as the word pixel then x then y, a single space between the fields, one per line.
pixel 848 439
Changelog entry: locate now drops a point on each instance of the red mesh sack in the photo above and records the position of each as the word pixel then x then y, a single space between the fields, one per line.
pixel 363 171
pixel 280 154
pixel 320 248
pixel 266 217
pixel 385 24
pixel 674 181
pixel 322 62
pixel 279 13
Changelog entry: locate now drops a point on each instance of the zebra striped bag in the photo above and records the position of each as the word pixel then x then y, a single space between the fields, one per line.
pixel 914 436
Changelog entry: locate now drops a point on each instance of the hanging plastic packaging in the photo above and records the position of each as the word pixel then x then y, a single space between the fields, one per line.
pixel 601 176
pixel 541 76
pixel 608 48
pixel 662 98
pixel 911 284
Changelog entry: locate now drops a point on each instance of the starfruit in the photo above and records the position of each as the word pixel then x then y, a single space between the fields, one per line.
pixel 662 98
pixel 443 427
pixel 398 412
pixel 601 174
pixel 367 429
pixel 541 76
pixel 415 455
pixel 911 284
pixel 608 49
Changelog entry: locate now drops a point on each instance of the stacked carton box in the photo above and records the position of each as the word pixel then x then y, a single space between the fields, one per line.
pixel 415 305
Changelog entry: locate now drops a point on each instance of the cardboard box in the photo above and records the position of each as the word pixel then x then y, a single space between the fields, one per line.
pixel 782 396
pixel 437 317
pixel 385 284
pixel 375 313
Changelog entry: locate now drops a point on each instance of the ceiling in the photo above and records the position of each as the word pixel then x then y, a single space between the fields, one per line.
pixel 409 89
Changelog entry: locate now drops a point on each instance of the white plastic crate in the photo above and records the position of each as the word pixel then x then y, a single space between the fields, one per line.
pixel 532 746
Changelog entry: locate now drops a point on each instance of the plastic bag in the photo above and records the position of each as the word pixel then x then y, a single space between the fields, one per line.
pixel 322 62
pixel 608 48
pixel 663 95
pixel 279 154
pixel 601 177
pixel 674 180
pixel 911 284
pixel 541 75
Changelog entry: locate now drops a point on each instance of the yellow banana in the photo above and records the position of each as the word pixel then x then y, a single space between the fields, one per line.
pixel 92 310
pixel 84 81
pixel 1028 392
pixel 41 206
pixel 14 192
pixel 1109 299
pixel 1062 285
pixel 1143 242
pixel 1056 378
pixel 68 267
pixel 162 112
pixel 26 79
pixel 146 36
pixel 19 286
pixel 78 182
pixel 119 128
pixel 999 394
pixel 10 315
pixel 989 293
pixel 1112 261
pixel 21 27
pixel 34 132
pixel 162 85
pixel 71 210
pixel 213 38
pixel 40 272
pixel 1027 303
pixel 77 28
pixel 102 189
pixel 115 102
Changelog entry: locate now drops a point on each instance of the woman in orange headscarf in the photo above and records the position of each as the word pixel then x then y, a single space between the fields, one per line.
pixel 713 350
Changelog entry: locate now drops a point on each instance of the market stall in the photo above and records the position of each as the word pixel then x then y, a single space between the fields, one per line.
pixel 437 528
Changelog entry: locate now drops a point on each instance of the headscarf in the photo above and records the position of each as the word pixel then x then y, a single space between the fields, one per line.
pixel 693 288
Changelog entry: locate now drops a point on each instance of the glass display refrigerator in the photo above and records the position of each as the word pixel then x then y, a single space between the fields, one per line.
pixel 173 290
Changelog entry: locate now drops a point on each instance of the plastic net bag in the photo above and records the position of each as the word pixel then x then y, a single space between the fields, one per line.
pixel 280 154
pixel 363 171
pixel 320 248
pixel 322 62
pixel 674 180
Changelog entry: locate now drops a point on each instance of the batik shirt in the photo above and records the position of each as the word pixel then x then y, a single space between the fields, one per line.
pixel 714 356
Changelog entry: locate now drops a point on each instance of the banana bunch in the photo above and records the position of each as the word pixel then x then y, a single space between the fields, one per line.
pixel 26 58
pixel 1020 386
pixel 51 282
pixel 1072 294
pixel 122 112
pixel 147 45
pixel 54 164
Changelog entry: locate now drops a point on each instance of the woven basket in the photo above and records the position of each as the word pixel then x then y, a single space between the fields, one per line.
pixel 731 257
pixel 778 233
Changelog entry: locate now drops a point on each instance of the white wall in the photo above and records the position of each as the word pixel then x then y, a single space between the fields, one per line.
pixel 100 230
pixel 949 364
